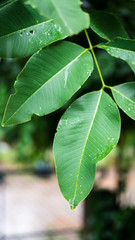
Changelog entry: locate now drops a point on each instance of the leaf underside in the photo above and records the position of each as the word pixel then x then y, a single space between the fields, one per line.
pixel 86 133
pixel 48 81
pixel 67 14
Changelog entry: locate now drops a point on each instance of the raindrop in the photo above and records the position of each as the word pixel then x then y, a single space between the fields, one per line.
pixel 60 123
pixel 129 109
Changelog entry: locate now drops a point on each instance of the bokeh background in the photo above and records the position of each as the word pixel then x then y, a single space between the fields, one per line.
pixel 31 205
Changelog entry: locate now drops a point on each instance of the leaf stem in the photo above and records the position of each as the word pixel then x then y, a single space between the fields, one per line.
pixel 95 59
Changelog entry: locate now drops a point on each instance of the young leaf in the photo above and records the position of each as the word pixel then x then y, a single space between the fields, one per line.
pixel 120 48
pixel 124 95
pixel 86 133
pixel 25 31
pixel 106 25
pixel 67 14
pixel 49 79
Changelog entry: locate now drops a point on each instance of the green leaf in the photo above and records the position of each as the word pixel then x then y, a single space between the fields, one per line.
pixel 48 81
pixel 132 65
pixel 5 2
pixel 106 25
pixel 25 31
pixel 121 48
pixel 67 14
pixel 86 133
pixel 124 95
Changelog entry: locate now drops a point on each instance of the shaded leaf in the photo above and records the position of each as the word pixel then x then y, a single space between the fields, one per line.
pixel 120 48
pixel 5 2
pixel 25 31
pixel 124 95
pixel 67 14
pixel 49 79
pixel 106 25
pixel 86 133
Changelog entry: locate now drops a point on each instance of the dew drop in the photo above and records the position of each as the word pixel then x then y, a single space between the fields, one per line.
pixel 71 204
pixel 60 123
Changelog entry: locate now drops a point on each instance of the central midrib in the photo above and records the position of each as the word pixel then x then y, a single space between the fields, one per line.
pixel 85 144
pixel 46 83
pixel 62 18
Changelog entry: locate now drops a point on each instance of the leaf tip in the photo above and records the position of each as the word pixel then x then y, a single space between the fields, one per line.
pixel 72 204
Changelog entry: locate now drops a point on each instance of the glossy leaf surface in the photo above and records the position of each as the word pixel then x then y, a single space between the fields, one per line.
pixel 25 31
pixel 120 48
pixel 124 95
pixel 67 14
pixel 49 79
pixel 106 25
pixel 86 133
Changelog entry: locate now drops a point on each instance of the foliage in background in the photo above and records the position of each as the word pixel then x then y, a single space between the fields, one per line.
pixel 90 128
pixel 113 222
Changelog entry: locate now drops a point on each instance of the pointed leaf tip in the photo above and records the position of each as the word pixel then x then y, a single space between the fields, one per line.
pixel 86 133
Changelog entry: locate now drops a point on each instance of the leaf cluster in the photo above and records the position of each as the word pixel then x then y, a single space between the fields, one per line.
pixel 57 69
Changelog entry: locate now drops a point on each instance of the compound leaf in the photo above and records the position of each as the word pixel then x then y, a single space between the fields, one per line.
pixel 124 95
pixel 49 79
pixel 86 133
pixel 106 25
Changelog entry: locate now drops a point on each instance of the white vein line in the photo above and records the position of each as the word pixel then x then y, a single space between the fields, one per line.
pixel 129 99
pixel 85 144
pixel 42 85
